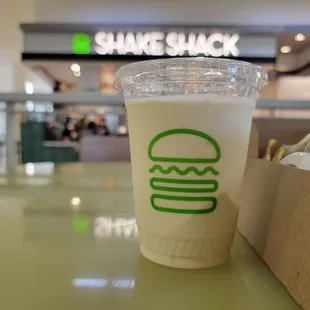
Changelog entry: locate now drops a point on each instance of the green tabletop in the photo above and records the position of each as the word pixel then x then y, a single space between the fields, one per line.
pixel 69 241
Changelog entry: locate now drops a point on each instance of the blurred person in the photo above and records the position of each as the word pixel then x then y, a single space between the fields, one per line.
pixel 80 126
pixel 56 90
pixel 57 87
pixel 69 133
pixel 92 126
pixel 102 128
pixel 51 133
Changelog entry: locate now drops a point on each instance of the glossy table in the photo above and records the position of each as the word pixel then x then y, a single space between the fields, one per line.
pixel 69 241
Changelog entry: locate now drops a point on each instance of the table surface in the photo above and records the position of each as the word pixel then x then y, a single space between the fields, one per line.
pixel 68 240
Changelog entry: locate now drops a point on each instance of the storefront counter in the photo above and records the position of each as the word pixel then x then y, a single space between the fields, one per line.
pixel 104 148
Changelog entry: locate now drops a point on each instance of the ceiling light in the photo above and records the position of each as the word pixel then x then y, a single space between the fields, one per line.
pixel 285 49
pixel 77 74
pixel 75 201
pixel 29 87
pixel 75 67
pixel 29 106
pixel 300 37
pixel 122 130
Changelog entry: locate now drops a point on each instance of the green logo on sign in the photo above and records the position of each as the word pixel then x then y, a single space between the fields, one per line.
pixel 184 189
pixel 81 224
pixel 81 43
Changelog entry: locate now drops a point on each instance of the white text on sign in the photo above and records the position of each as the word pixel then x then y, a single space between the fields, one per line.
pixel 171 44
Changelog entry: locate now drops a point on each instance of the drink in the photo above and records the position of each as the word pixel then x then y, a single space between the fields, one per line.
pixel 146 120
pixel 188 157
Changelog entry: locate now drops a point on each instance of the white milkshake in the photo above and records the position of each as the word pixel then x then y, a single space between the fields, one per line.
pixel 191 239
pixel 188 156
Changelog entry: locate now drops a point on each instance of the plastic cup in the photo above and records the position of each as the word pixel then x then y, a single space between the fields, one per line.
pixel 189 124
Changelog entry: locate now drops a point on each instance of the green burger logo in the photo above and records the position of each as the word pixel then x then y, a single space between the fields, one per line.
pixel 196 192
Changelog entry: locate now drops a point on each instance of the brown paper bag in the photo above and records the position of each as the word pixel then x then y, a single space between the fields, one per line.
pixel 274 217
pixel 257 200
pixel 288 244
pixel 253 144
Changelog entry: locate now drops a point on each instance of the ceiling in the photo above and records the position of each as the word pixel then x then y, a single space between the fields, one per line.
pixel 55 70
pixel 91 72
pixel 289 39
pixel 61 71
pixel 296 61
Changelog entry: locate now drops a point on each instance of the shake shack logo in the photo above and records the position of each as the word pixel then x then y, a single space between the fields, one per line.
pixel 183 171
pixel 170 44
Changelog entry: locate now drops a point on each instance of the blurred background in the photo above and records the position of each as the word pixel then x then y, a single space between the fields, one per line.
pixel 58 61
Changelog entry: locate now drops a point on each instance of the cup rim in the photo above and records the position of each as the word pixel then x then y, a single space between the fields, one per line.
pixel 129 72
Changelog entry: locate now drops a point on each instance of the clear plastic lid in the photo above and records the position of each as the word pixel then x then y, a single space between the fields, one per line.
pixel 184 76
